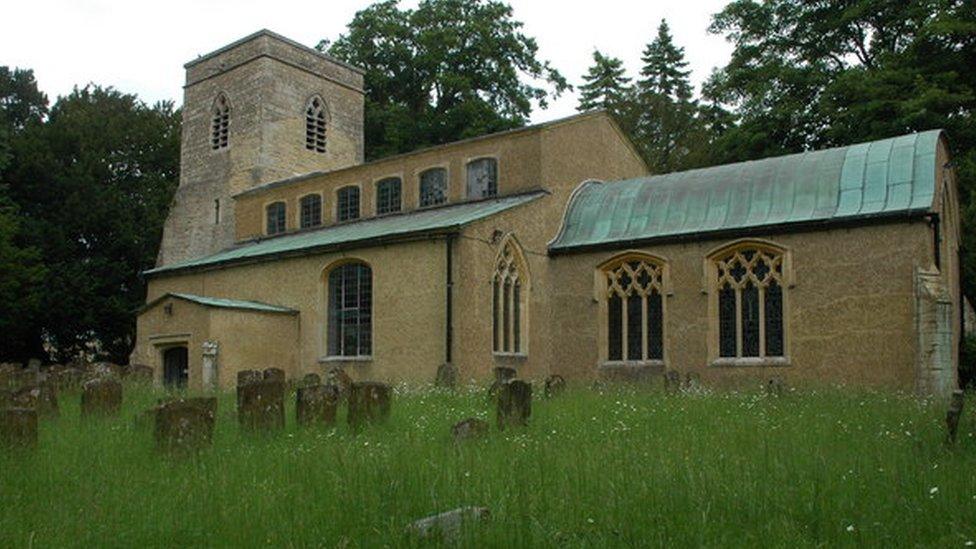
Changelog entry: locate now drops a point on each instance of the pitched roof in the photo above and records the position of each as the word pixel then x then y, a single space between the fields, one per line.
pixel 223 303
pixel 889 177
pixel 439 220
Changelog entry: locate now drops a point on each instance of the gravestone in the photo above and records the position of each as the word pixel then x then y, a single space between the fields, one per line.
pixel 140 373
pixel 555 385
pixel 262 405
pixel 101 396
pixel 447 375
pixel 107 369
pixel 244 378
pixel 18 427
pixel 274 374
pixel 502 375
pixel 316 405
pixel 311 380
pixel 514 405
pixel 954 413
pixel 693 381
pixel 775 386
pixel 369 401
pixel 185 425
pixel 672 381
pixel 338 377
pixel 67 377
pixel 34 365
pixel 470 428
pixel 41 397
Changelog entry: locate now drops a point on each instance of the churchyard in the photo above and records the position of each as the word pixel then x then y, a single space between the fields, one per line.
pixel 604 466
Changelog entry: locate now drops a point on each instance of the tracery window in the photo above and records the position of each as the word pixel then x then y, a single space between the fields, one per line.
pixel 311 211
pixel 220 123
pixel 750 303
pixel 482 178
pixel 276 217
pixel 347 204
pixel 350 310
pixel 508 300
pixel 388 195
pixel 315 125
pixel 433 187
pixel 635 309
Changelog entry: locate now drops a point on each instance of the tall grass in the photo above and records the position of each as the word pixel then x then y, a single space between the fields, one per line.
pixel 621 467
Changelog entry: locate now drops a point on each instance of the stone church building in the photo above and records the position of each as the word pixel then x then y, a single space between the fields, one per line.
pixel 549 249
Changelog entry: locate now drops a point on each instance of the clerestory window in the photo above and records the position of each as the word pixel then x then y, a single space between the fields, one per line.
pixel 311 211
pixel 388 195
pixel 347 204
pixel 482 178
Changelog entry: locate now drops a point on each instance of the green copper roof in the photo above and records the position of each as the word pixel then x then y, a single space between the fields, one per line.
pixel 434 220
pixel 222 303
pixel 887 177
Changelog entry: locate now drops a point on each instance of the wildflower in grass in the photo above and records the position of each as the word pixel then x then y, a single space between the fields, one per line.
pixel 933 490
pixel 850 527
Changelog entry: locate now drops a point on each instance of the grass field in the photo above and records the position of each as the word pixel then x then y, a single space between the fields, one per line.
pixel 621 467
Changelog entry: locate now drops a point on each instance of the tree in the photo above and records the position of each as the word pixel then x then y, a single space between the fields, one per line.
pixel 93 183
pixel 816 74
pixel 606 85
pixel 665 69
pixel 21 278
pixel 447 70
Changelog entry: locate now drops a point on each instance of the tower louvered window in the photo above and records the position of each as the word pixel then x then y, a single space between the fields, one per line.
pixel 508 307
pixel 315 125
pixel 220 123
pixel 750 303
pixel 635 310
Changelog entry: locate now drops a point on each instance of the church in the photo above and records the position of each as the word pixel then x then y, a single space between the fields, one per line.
pixel 549 249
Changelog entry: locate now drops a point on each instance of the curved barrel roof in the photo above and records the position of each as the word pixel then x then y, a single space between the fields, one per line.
pixel 888 177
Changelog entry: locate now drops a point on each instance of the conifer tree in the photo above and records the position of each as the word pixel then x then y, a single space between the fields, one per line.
pixel 665 69
pixel 606 85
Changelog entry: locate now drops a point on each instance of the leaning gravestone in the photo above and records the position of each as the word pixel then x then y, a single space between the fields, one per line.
pixel 18 427
pixel 316 405
pixel 447 375
pixel 369 401
pixel 274 374
pixel 470 428
pixel 101 396
pixel 244 378
pixel 185 425
pixel 514 403
pixel 555 385
pixel 262 406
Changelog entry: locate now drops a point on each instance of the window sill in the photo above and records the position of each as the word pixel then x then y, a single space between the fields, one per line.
pixel 509 356
pixel 630 370
pixel 747 362
pixel 328 359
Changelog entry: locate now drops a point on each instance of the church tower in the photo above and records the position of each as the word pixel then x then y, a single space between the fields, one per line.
pixel 261 109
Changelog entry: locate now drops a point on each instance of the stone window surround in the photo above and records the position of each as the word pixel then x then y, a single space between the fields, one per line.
pixel 710 289
pixel 525 280
pixel 376 194
pixel 498 175
pixel 328 119
pixel 322 210
pixel 600 298
pixel 264 210
pixel 225 145
pixel 446 166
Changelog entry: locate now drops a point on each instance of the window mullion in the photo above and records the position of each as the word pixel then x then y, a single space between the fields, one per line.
pixel 645 344
pixel 624 332
pixel 738 322
pixel 762 321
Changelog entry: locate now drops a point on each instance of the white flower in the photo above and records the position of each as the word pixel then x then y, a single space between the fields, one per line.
pixel 933 490
pixel 850 527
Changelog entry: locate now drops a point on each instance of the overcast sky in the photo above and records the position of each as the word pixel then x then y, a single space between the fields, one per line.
pixel 140 47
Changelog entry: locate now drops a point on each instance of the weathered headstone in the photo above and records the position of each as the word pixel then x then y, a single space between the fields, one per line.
pixel 446 526
pixel 672 381
pixel 18 427
pixel 244 378
pixel 140 373
pixel 262 405
pixel 338 377
pixel 514 404
pixel 101 396
pixel 447 375
pixel 67 377
pixel 954 413
pixel 311 380
pixel 316 405
pixel 470 428
pixel 274 374
pixel 34 365
pixel 502 375
pixel 555 384
pixel 693 381
pixel 107 369
pixel 185 425
pixel 775 386
pixel 41 397
pixel 369 401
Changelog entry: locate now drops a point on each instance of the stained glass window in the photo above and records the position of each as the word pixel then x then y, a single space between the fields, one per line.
pixel 635 310
pixel 750 303
pixel 350 310
pixel 388 195
pixel 433 187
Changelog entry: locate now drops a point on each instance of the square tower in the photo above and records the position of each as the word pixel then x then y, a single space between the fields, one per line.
pixel 257 110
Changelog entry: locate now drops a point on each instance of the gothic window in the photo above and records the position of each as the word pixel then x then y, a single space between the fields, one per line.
pixel 276 217
pixel 433 187
pixel 347 204
pixel 311 211
pixel 509 300
pixel 220 123
pixel 750 284
pixel 315 125
pixel 350 310
pixel 482 178
pixel 634 286
pixel 388 195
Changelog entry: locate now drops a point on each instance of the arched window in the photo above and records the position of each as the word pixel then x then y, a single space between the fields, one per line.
pixel 749 283
pixel 311 211
pixel 482 178
pixel 633 286
pixel 347 203
pixel 433 187
pixel 508 294
pixel 388 195
pixel 220 123
pixel 315 125
pixel 350 310
pixel 276 217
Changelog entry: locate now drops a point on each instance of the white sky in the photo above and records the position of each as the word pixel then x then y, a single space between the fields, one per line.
pixel 139 46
